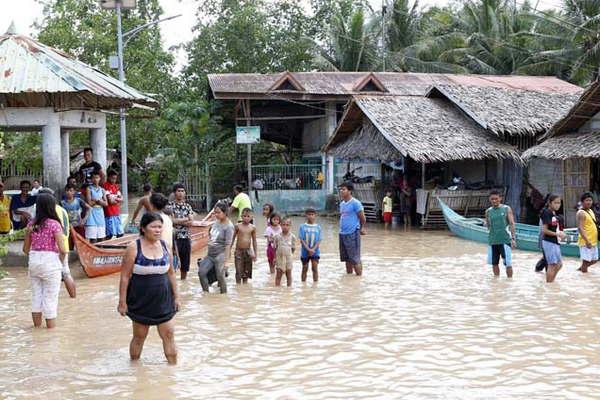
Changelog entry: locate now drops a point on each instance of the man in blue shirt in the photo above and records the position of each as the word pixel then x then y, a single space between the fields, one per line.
pixel 352 226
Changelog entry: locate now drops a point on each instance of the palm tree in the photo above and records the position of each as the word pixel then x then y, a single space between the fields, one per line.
pixel 351 45
pixel 567 44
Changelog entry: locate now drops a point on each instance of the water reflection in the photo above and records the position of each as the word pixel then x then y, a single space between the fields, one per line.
pixel 427 320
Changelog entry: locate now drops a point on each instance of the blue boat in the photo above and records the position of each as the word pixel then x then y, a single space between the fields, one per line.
pixel 527 235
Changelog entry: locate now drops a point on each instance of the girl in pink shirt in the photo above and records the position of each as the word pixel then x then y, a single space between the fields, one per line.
pixel 273 229
pixel 45 245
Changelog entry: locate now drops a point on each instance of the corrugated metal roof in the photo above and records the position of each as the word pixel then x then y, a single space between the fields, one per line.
pixel 28 68
pixel 397 83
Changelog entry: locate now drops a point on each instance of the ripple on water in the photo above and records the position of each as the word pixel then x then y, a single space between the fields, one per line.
pixel 426 321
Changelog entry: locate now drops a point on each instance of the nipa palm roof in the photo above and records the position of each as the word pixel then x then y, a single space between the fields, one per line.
pixel 35 75
pixel 587 106
pixel 325 85
pixel 503 111
pixel 565 146
pixel 424 129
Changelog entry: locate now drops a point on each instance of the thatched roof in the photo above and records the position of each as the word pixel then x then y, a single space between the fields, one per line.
pixel 35 75
pixel 513 112
pixel 581 112
pixel 571 145
pixel 425 129
pixel 342 85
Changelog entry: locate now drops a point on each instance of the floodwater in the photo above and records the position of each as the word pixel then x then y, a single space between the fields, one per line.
pixel 426 321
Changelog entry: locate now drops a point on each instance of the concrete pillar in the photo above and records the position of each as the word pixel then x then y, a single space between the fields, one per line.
pixel 66 155
pixel 330 174
pixel 331 124
pixel 98 144
pixel 51 153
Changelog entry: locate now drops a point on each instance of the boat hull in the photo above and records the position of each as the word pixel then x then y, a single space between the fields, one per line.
pixel 106 258
pixel 474 229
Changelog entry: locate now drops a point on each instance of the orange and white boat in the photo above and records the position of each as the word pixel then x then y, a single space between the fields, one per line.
pixel 105 258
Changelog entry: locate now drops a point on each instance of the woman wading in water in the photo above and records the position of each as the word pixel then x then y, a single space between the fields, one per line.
pixel 148 291
pixel 45 245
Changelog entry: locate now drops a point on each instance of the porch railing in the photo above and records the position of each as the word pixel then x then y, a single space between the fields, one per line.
pixel 288 177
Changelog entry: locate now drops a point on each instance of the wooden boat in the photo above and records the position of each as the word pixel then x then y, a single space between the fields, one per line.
pixel 105 258
pixel 527 235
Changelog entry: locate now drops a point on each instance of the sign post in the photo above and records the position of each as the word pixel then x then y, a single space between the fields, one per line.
pixel 248 135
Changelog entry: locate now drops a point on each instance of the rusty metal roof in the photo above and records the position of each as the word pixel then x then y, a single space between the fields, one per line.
pixel 35 75
pixel 342 84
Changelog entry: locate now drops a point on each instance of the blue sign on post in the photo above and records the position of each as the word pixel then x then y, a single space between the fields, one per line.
pixel 247 134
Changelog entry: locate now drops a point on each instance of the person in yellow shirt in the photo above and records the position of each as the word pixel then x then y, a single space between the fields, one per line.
pixel 5 224
pixel 387 207
pixel 588 233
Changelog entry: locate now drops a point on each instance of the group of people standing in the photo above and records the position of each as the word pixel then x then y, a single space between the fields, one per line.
pixel 502 234
pixel 148 291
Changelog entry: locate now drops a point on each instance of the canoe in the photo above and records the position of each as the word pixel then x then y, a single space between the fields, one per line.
pixel 527 235
pixel 105 258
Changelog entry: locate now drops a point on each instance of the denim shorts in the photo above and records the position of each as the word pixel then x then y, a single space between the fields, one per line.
pixel 551 252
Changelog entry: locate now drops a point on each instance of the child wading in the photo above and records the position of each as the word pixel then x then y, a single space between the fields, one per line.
pixel 499 218
pixel 551 234
pixel 273 229
pixel 245 248
pixel 285 246
pixel 387 207
pixel 310 237
pixel 588 233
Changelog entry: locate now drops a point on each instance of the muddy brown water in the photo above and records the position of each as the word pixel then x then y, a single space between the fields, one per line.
pixel 426 321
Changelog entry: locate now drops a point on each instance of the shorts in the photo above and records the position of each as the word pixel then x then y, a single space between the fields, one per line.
pixel 95 232
pixel 308 258
pixel 387 217
pixel 552 252
pixel 350 248
pixel 243 264
pixel 285 261
pixel 588 254
pixel 114 226
pixel 270 253
pixel 495 251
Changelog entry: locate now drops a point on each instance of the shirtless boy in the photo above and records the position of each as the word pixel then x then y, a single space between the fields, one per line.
pixel 245 247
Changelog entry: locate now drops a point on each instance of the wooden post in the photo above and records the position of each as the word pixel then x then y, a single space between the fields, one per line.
pixel 207 183
pixel 249 149
pixel 423 175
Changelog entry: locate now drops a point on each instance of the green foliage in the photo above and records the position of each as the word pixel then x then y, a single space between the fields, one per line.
pixel 81 28
pixel 23 150
pixel 11 237
pixel 262 36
